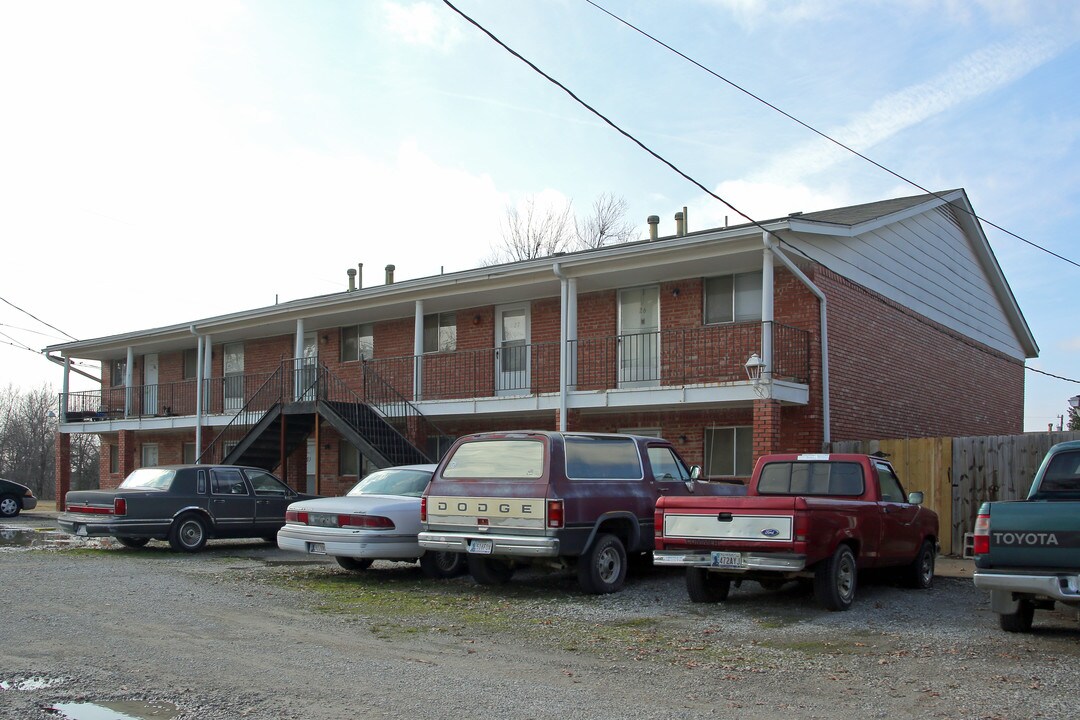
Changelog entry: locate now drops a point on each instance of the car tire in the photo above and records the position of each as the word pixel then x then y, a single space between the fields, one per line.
pixel 836 579
pixel 706 587
pixel 1019 621
pixel 602 568
pixel 353 563
pixel 920 573
pixel 441 565
pixel 188 533
pixel 9 506
pixel 131 542
pixel 489 570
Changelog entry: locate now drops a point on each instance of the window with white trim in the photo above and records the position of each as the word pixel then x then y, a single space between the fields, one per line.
pixel 440 332
pixel 729 451
pixel 733 298
pixel 357 342
pixel 149 454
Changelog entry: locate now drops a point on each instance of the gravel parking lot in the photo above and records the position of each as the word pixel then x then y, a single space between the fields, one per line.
pixel 243 630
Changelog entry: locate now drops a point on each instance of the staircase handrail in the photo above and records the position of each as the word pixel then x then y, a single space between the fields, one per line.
pixel 247 415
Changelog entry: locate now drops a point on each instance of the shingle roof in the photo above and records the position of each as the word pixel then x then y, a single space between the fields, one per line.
pixel 857 214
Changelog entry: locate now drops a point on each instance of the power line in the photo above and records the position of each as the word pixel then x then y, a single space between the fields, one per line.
pixel 39 319
pixel 688 177
pixel 1058 377
pixel 36 332
pixel 821 134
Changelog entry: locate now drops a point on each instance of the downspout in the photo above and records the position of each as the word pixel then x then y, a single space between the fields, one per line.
pixel 564 296
pixel 198 393
pixel 129 376
pixel 418 351
pixel 64 390
pixel 773 245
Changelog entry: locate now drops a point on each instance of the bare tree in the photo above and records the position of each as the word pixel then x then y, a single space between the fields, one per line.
pixel 529 232
pixel 607 225
pixel 28 438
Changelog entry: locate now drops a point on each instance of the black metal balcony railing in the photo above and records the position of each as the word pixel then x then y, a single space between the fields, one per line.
pixel 692 356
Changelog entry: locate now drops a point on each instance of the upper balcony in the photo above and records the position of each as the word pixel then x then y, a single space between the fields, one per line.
pixel 703 364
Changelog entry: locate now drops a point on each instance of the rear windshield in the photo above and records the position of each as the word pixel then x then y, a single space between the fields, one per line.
pixel 1062 476
pixel 502 459
pixel 393 481
pixel 149 478
pixel 811 478
pixel 602 458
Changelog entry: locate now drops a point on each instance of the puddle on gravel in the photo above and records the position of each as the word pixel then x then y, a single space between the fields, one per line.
pixel 26 538
pixel 120 710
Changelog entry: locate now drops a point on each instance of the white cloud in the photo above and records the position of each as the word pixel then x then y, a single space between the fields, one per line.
pixel 981 72
pixel 421 23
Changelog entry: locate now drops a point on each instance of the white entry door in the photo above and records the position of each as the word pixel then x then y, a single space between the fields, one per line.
pixel 150 384
pixel 311 467
pixel 512 350
pixel 639 337
pixel 309 365
pixel 234 376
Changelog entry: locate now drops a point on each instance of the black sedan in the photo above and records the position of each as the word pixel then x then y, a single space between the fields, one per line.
pixel 14 498
pixel 184 504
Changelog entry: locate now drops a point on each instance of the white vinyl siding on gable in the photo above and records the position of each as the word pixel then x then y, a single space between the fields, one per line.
pixel 923 262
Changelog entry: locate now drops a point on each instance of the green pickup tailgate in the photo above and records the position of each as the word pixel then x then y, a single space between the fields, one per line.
pixel 1034 534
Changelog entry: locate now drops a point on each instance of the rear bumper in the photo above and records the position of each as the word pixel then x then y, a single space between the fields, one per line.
pixel 93 526
pixel 505 545
pixel 347 544
pixel 29 503
pixel 1063 587
pixel 749 561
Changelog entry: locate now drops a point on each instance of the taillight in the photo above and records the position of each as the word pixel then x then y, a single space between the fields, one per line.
pixel 982 534
pixel 119 506
pixel 366 521
pixel 29 493
pixel 423 509
pixel 555 517
pixel 658 522
pixel 295 516
pixel 801 526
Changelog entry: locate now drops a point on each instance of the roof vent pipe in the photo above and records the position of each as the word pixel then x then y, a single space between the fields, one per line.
pixel 654 226
pixel 390 274
pixel 685 220
pixel 352 279
pixel 679 224
pixel 359 276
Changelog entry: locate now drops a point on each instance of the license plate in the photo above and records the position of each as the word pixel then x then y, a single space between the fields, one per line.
pixel 316 548
pixel 480 547
pixel 80 530
pixel 322 520
pixel 726 560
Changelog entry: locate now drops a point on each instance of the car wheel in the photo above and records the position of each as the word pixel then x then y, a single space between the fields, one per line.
pixel 9 506
pixel 706 587
pixel 835 580
pixel 354 564
pixel 440 565
pixel 602 569
pixel 489 570
pixel 131 542
pixel 1019 621
pixel 188 534
pixel 920 574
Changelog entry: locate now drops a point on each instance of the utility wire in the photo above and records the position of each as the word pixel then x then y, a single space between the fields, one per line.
pixel 35 332
pixel 822 134
pixel 38 319
pixel 664 160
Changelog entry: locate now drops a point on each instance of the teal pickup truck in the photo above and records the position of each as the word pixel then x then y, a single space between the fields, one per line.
pixel 1027 552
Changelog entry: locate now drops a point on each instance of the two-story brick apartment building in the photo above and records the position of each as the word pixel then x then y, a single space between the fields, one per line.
pixel 890 319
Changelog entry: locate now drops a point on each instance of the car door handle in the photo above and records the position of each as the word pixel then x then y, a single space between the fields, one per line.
pixel 262 502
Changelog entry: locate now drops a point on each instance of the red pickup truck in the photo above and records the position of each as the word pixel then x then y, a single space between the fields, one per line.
pixel 820 517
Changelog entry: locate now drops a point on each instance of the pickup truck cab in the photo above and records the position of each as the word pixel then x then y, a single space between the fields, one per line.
pixel 581 500
pixel 823 517
pixel 1027 552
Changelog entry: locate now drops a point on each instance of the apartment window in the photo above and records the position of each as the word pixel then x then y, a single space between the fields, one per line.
pixel 189 453
pixel 149 454
pixel 733 298
pixel 191 363
pixel 437 445
pixel 351 462
pixel 729 451
pixel 440 332
pixel 118 372
pixel 357 342
pixel 114 458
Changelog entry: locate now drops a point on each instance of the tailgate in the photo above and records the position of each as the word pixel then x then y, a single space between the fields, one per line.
pixel 750 519
pixel 1035 533
pixel 456 512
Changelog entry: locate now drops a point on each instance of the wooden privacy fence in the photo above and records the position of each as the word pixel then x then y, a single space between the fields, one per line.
pixel 958 474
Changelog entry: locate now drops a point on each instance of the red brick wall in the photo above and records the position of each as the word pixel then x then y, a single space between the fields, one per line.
pixel 894 373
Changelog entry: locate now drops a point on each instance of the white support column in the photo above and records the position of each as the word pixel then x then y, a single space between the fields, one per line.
pixel 298 361
pixel 199 373
pixel 571 331
pixel 64 391
pixel 208 371
pixel 767 314
pixel 129 375
pixel 418 351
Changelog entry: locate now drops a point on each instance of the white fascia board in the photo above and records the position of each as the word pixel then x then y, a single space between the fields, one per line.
pixel 798 224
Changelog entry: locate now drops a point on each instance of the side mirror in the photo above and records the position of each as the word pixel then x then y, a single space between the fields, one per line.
pixel 695 472
pixel 915 498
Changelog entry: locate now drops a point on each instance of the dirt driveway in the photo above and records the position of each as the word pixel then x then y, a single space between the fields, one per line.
pixel 243 630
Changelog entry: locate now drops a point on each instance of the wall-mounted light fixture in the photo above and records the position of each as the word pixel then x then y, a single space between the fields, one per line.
pixel 682 439
pixel 675 292
pixel 753 368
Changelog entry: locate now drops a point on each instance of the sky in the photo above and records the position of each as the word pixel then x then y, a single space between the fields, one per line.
pixel 207 157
